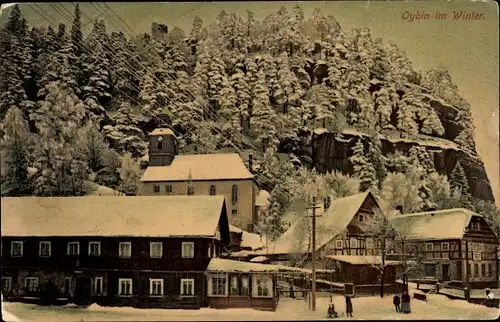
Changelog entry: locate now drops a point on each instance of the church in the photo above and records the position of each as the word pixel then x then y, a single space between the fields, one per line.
pixel 169 173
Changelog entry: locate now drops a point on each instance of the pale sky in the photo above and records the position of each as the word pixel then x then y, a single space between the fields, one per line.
pixel 467 48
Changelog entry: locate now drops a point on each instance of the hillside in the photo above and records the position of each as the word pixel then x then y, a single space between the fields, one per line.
pixel 298 92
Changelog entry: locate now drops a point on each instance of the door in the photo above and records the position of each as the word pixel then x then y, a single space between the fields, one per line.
pixel 446 272
pixel 83 291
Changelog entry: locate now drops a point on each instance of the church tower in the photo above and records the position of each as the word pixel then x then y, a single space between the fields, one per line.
pixel 162 147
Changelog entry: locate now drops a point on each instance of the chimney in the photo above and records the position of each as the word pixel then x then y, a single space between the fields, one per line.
pixel 250 162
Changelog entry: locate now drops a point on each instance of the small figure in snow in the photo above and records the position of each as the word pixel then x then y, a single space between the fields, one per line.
pixel 405 303
pixel 396 300
pixel 331 311
pixel 292 295
pixel 348 306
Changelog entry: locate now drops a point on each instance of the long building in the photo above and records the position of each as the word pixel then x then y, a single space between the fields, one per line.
pixel 143 251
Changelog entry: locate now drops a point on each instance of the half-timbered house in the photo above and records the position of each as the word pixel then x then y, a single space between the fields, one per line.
pixel 143 251
pixel 449 245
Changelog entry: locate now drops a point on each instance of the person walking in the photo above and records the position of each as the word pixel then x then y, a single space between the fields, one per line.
pixel 348 306
pixel 396 300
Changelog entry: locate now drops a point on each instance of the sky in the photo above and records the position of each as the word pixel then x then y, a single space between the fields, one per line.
pixel 467 48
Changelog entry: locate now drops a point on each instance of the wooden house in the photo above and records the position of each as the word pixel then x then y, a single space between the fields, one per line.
pixel 169 174
pixel 341 242
pixel 237 284
pixel 142 251
pixel 449 245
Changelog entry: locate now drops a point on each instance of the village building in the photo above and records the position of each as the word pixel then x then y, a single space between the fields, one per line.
pixel 237 284
pixel 169 173
pixel 141 251
pixel 449 246
pixel 346 254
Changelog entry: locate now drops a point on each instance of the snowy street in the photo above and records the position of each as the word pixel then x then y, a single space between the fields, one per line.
pixel 437 307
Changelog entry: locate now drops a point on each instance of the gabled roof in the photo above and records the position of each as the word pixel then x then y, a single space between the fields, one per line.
pixel 362 260
pixel 199 167
pixel 328 226
pixel 438 224
pixel 134 216
pixel 162 131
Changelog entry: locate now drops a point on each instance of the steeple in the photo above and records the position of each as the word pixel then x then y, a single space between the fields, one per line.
pixel 162 147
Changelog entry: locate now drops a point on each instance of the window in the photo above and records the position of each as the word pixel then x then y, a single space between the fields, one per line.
pixel 353 243
pixel 445 247
pixel 470 269
pixel 31 284
pixel 218 285
pixel 338 244
pixel 234 212
pixel 369 243
pixel 156 286
pixel 187 250
pixel 490 269
pixel 155 250
pixel 430 270
pixel 125 286
pixel 73 248
pixel 483 270
pixel 67 285
pixel 361 218
pixel 156 188
pixel 6 284
pixel 212 190
pixel 44 249
pixel 97 287
pixel 239 285
pixel 187 287
pixel 429 247
pixel 125 250
pixel 190 190
pixel 476 270
pixel 16 249
pixel 234 194
pixel 209 252
pixel 168 188
pixel 159 145
pixel 94 248
pixel 262 286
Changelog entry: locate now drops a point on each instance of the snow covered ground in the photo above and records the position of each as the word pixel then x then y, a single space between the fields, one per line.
pixel 437 307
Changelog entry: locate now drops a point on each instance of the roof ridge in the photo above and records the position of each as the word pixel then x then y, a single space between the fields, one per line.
pixel 439 212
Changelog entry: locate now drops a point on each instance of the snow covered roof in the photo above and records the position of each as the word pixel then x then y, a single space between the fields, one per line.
pixel 259 259
pixel 228 265
pixel 362 260
pixel 162 131
pixel 328 226
pixel 439 224
pixel 151 216
pixel 248 240
pixel 200 167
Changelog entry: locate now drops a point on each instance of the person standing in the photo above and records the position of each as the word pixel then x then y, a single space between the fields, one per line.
pixel 405 303
pixel 348 306
pixel 396 300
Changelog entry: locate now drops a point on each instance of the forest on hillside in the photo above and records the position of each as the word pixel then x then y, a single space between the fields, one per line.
pixel 77 108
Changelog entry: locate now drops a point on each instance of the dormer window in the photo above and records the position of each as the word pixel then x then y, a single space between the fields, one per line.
pixel 361 218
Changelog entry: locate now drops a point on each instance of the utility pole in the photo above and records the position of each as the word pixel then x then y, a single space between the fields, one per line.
pixel 313 286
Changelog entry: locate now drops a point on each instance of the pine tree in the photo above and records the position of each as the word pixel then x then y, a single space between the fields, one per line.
pixel 125 136
pixel 240 84
pixel 458 180
pixel 263 114
pixel 92 147
pixel 231 126
pixel 377 159
pixel 362 167
pixel 76 32
pixel 420 155
pixel 60 171
pixel 15 153
pixel 121 75
pixel 465 137
pixel 383 108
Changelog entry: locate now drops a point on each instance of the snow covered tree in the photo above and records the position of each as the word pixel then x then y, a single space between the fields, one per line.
pixel 125 135
pixel 419 155
pixel 439 189
pixel 383 108
pixel 92 146
pixel 231 126
pixel 242 89
pixel 458 180
pixel 438 81
pixel 122 76
pixel 376 158
pixel 60 170
pixel 362 167
pixel 15 154
pixel 130 175
pixel 263 114
pixel 341 185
